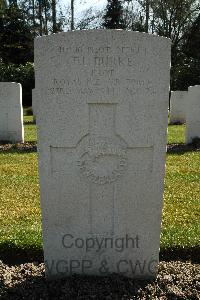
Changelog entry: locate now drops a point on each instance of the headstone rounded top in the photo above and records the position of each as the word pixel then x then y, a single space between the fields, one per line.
pixel 10 82
pixel 11 86
pixel 106 32
pixel 127 44
pixel 178 92
pixel 194 88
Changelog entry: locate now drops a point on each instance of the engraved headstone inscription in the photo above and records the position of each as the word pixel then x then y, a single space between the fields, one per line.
pixel 178 107
pixel 102 123
pixel 11 112
pixel 193 113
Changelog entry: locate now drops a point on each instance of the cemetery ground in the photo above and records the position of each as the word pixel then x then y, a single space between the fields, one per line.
pixel 22 270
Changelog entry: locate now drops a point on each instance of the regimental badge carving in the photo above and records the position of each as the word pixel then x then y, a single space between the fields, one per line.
pixel 103 161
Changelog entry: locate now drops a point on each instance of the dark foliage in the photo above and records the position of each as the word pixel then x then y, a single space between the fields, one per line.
pixel 16 50
pixel 16 40
pixel 23 74
pixel 113 17
pixel 186 71
pixel 191 47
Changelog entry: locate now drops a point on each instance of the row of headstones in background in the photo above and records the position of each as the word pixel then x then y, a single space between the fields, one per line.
pixel 11 112
pixel 193 113
pixel 178 107
pixel 185 108
pixel 102 124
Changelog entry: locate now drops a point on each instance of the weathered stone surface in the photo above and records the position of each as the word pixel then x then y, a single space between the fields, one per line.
pixel 178 107
pixel 193 113
pixel 11 112
pixel 102 122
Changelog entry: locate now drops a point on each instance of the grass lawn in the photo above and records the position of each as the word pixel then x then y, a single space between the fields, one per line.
pixel 30 134
pixel 181 214
pixel 20 217
pixel 176 134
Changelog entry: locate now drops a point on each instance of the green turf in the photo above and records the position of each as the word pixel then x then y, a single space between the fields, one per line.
pixel 181 214
pixel 176 134
pixel 30 134
pixel 20 216
pixel 19 206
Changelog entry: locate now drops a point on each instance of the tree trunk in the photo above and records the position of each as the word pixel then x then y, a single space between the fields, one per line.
pixel 40 16
pixel 46 18
pixel 147 16
pixel 33 10
pixel 54 16
pixel 152 25
pixel 72 14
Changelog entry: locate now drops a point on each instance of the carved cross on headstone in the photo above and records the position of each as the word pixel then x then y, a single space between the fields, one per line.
pixel 102 162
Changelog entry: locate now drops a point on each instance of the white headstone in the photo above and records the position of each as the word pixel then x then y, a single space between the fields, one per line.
pixel 11 112
pixel 178 107
pixel 102 122
pixel 193 113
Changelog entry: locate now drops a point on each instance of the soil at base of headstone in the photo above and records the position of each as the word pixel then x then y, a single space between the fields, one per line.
pixel 20 147
pixel 175 280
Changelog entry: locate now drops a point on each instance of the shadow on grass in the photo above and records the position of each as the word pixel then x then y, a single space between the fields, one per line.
pixel 29 123
pixel 11 254
pixel 175 124
pixel 183 254
pixel 181 148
